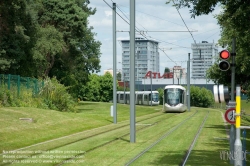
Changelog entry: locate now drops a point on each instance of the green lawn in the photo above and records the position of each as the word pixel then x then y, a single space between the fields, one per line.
pixel 49 124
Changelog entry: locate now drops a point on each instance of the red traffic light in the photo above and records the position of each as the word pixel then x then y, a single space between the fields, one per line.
pixel 224 54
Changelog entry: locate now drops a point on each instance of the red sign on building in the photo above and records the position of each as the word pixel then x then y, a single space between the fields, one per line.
pixel 158 75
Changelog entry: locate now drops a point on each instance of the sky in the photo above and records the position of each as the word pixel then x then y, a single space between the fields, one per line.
pixel 152 15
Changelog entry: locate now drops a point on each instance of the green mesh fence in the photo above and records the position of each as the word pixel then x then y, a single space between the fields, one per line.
pixel 15 82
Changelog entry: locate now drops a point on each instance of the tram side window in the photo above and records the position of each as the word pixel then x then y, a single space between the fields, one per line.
pixel 127 96
pixel 121 96
pixel 145 97
pixel 139 96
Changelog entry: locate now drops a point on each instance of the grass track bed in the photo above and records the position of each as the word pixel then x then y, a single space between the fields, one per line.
pixel 92 139
pixel 92 134
pixel 124 151
pixel 172 149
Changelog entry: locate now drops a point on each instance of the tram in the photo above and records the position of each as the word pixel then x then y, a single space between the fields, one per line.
pixel 141 97
pixel 174 99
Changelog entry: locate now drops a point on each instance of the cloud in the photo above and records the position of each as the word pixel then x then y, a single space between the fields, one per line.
pixel 108 13
pixel 152 16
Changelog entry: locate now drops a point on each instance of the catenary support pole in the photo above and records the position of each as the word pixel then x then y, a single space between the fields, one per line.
pixel 114 66
pixel 238 145
pixel 151 86
pixel 232 128
pixel 173 76
pixel 132 72
pixel 188 82
pixel 124 84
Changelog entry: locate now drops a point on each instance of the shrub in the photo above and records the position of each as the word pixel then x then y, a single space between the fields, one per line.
pixel 53 95
pixel 201 97
pixel 56 97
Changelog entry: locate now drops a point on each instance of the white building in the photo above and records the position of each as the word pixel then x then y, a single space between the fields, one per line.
pixel 178 72
pixel 204 54
pixel 146 58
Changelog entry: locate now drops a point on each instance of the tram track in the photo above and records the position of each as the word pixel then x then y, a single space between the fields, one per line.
pixel 159 140
pixel 121 135
pixel 115 139
pixel 183 163
pixel 104 144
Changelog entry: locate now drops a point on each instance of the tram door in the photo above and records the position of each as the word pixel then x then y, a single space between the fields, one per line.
pixel 145 99
pixel 140 99
pixel 127 98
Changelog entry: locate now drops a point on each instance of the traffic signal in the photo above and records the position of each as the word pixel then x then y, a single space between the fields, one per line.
pixel 224 65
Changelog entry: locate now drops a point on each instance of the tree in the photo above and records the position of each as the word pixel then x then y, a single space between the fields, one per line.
pixel 234 21
pixel 99 88
pixel 232 27
pixel 119 76
pixel 167 70
pixel 16 30
pixel 71 67
pixel 161 94
pixel 49 43
pixel 106 91
pixel 201 97
pixel 92 89
pixel 205 7
pixel 48 37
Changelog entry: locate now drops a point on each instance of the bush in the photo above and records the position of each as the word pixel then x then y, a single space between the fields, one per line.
pixel 161 92
pixel 53 95
pixel 56 97
pixel 201 97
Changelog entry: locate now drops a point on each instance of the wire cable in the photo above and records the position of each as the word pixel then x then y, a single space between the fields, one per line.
pixel 185 24
pixel 140 32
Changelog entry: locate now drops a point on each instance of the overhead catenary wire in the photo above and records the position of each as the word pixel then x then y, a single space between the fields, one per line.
pixel 185 24
pixel 127 17
pixel 155 16
pixel 170 22
pixel 138 31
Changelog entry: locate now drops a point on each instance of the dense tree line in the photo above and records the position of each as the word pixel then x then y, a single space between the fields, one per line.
pixel 99 88
pixel 41 38
pixel 234 21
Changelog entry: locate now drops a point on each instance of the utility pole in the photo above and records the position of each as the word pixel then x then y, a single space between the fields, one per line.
pixel 188 82
pixel 232 103
pixel 124 84
pixel 114 65
pixel 238 145
pixel 132 72
pixel 151 85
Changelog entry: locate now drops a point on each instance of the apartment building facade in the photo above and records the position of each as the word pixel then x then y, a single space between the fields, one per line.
pixel 146 58
pixel 204 55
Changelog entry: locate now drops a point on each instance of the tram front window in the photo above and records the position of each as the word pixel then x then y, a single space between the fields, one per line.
pixel 174 96
pixel 155 97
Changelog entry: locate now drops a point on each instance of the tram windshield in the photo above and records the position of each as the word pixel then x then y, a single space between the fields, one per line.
pixel 155 97
pixel 174 96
